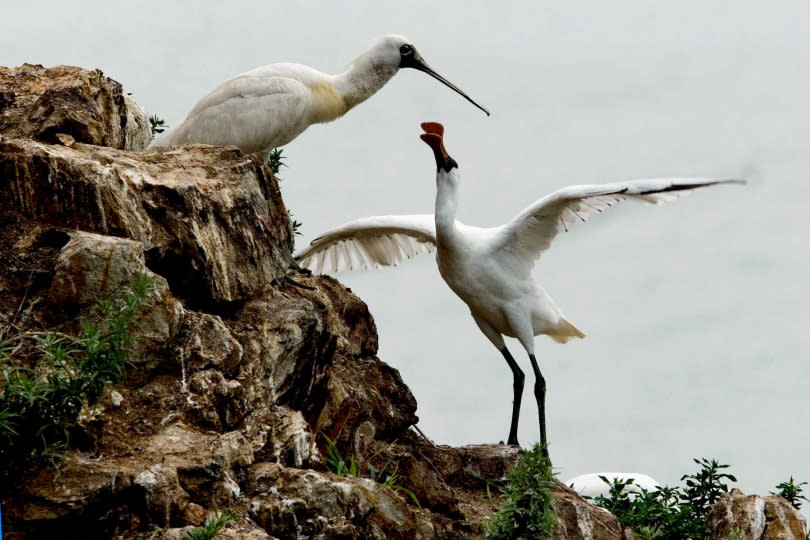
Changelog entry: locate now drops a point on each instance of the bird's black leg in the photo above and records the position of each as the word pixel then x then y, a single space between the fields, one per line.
pixel 540 396
pixel 519 377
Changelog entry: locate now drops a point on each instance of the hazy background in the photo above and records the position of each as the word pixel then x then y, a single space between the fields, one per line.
pixel 696 313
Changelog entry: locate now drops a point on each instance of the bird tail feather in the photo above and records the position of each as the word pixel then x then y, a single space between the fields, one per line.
pixel 565 331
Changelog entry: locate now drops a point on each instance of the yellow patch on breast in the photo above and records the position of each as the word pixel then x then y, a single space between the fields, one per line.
pixel 327 105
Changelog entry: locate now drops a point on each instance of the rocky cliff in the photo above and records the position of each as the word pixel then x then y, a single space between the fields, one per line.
pixel 242 370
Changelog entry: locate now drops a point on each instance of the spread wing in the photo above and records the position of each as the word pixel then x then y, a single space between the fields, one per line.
pixel 370 243
pixel 532 231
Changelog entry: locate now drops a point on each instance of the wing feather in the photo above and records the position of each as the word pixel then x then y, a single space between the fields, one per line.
pixel 370 243
pixel 532 231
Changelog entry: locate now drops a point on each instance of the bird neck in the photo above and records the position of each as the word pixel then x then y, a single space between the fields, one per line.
pixel 362 79
pixel 446 202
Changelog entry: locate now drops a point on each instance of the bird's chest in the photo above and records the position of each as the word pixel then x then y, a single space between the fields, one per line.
pixel 464 275
pixel 326 104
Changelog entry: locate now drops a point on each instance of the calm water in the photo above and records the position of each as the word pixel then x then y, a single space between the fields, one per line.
pixel 696 313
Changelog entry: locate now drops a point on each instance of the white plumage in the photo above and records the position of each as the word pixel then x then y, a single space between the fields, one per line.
pixel 591 485
pixel 270 106
pixel 370 243
pixel 488 268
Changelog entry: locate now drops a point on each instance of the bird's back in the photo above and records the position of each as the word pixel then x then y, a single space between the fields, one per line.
pixel 257 111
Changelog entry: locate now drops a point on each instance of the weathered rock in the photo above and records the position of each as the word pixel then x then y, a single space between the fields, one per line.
pixel 218 402
pixel 293 503
pixel 238 531
pixel 288 439
pixel 755 517
pixel 91 267
pixel 301 343
pixel 472 466
pixel 40 103
pixel 579 520
pixel 363 392
pixel 138 132
pixel 159 489
pixel 193 514
pixel 205 341
pixel 286 346
pixel 211 219
pixel 28 251
pixel 413 471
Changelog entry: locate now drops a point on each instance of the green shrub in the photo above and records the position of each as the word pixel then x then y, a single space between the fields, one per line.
pixel 46 379
pixel 792 492
pixel 525 512
pixel 670 513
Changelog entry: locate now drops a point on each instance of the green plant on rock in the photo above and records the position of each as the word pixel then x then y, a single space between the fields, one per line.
pixel 214 523
pixel 669 513
pixel 339 466
pixel 336 463
pixel 276 160
pixel 157 125
pixel 525 512
pixel 705 487
pixel 295 224
pixel 791 492
pixel 47 378
pixel 652 514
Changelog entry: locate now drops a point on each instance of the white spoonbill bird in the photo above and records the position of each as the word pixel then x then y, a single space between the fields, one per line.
pixel 270 106
pixel 488 268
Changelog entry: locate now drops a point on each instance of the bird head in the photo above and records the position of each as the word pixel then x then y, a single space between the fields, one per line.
pixel 394 52
pixel 434 137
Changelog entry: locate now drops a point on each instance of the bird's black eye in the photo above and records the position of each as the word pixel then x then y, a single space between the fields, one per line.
pixel 406 49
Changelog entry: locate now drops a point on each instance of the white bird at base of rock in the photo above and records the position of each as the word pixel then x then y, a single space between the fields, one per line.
pixel 270 106
pixel 591 485
pixel 488 268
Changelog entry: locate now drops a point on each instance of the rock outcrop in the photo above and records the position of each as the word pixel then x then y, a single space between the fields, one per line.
pixel 754 517
pixel 210 219
pixel 68 104
pixel 239 374
pixel 248 381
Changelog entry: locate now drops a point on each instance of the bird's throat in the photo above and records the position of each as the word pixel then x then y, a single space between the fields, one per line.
pixel 362 80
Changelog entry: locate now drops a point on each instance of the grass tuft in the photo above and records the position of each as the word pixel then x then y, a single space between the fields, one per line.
pixel 214 523
pixel 339 466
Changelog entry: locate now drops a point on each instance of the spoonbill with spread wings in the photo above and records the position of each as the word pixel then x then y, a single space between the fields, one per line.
pixel 270 106
pixel 488 268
